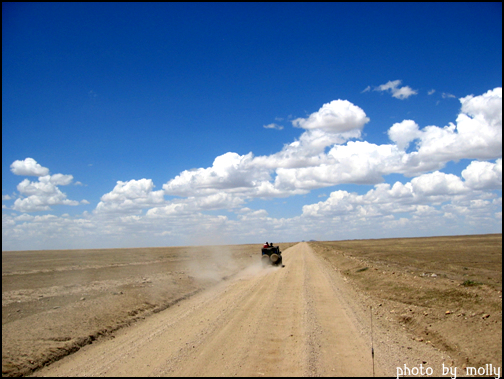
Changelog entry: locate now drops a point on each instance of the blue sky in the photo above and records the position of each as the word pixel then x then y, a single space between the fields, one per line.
pixel 127 125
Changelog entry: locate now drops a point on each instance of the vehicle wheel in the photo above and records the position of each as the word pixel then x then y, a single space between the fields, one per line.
pixel 274 258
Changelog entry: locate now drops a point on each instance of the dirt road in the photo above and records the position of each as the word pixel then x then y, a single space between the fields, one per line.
pixel 289 321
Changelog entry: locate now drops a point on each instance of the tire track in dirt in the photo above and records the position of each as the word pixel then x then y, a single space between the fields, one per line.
pixel 335 338
pixel 272 322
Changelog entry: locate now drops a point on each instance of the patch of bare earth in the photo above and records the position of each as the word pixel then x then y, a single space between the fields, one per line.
pixel 55 302
pixel 444 292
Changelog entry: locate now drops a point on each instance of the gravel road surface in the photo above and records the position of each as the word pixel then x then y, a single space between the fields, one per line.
pixel 290 321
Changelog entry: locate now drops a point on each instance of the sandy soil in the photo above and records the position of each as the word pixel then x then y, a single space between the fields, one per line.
pixel 310 318
pixel 274 322
pixel 54 302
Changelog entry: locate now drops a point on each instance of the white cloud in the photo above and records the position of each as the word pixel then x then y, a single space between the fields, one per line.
pixel 430 196
pixel 445 95
pixel 338 116
pixel 476 135
pixel 355 162
pixel 8 222
pixel 28 167
pixel 6 197
pixel 216 201
pixel 42 194
pixel 303 165
pixel 334 123
pixel 230 171
pixel 431 92
pixel 24 217
pixel 192 206
pixel 46 184
pixel 425 211
pixel 36 203
pixel 324 155
pixel 483 175
pixel 131 196
pixel 396 91
pixel 60 179
pixel 250 176
pixel 486 108
pixel 402 133
pixel 438 184
pixel 273 126
pixel 367 89
pixel 175 208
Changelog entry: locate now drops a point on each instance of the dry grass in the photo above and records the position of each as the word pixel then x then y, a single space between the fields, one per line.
pixel 443 290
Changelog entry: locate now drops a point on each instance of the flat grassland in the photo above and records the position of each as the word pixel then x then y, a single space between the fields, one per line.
pixel 444 291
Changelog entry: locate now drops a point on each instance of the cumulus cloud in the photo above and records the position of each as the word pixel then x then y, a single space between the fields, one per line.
pixel 483 175
pixel 334 123
pixel 477 133
pixel 42 194
pixel 131 196
pixel 396 91
pixel 45 185
pixel 229 171
pixel 486 108
pixel 175 208
pixel 356 162
pixel 338 116
pixel 328 152
pixel 28 167
pixel 273 126
pixel 438 184
pixel 419 197
pixel 305 164
pixel 402 133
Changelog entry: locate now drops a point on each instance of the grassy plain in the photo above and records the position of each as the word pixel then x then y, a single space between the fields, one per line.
pixel 445 291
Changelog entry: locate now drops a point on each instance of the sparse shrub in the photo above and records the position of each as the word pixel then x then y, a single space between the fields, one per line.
pixel 468 283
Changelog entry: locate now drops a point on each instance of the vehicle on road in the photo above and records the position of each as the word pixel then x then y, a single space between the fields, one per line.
pixel 271 256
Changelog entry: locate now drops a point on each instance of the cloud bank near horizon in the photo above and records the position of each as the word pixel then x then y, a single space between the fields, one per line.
pixel 329 152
